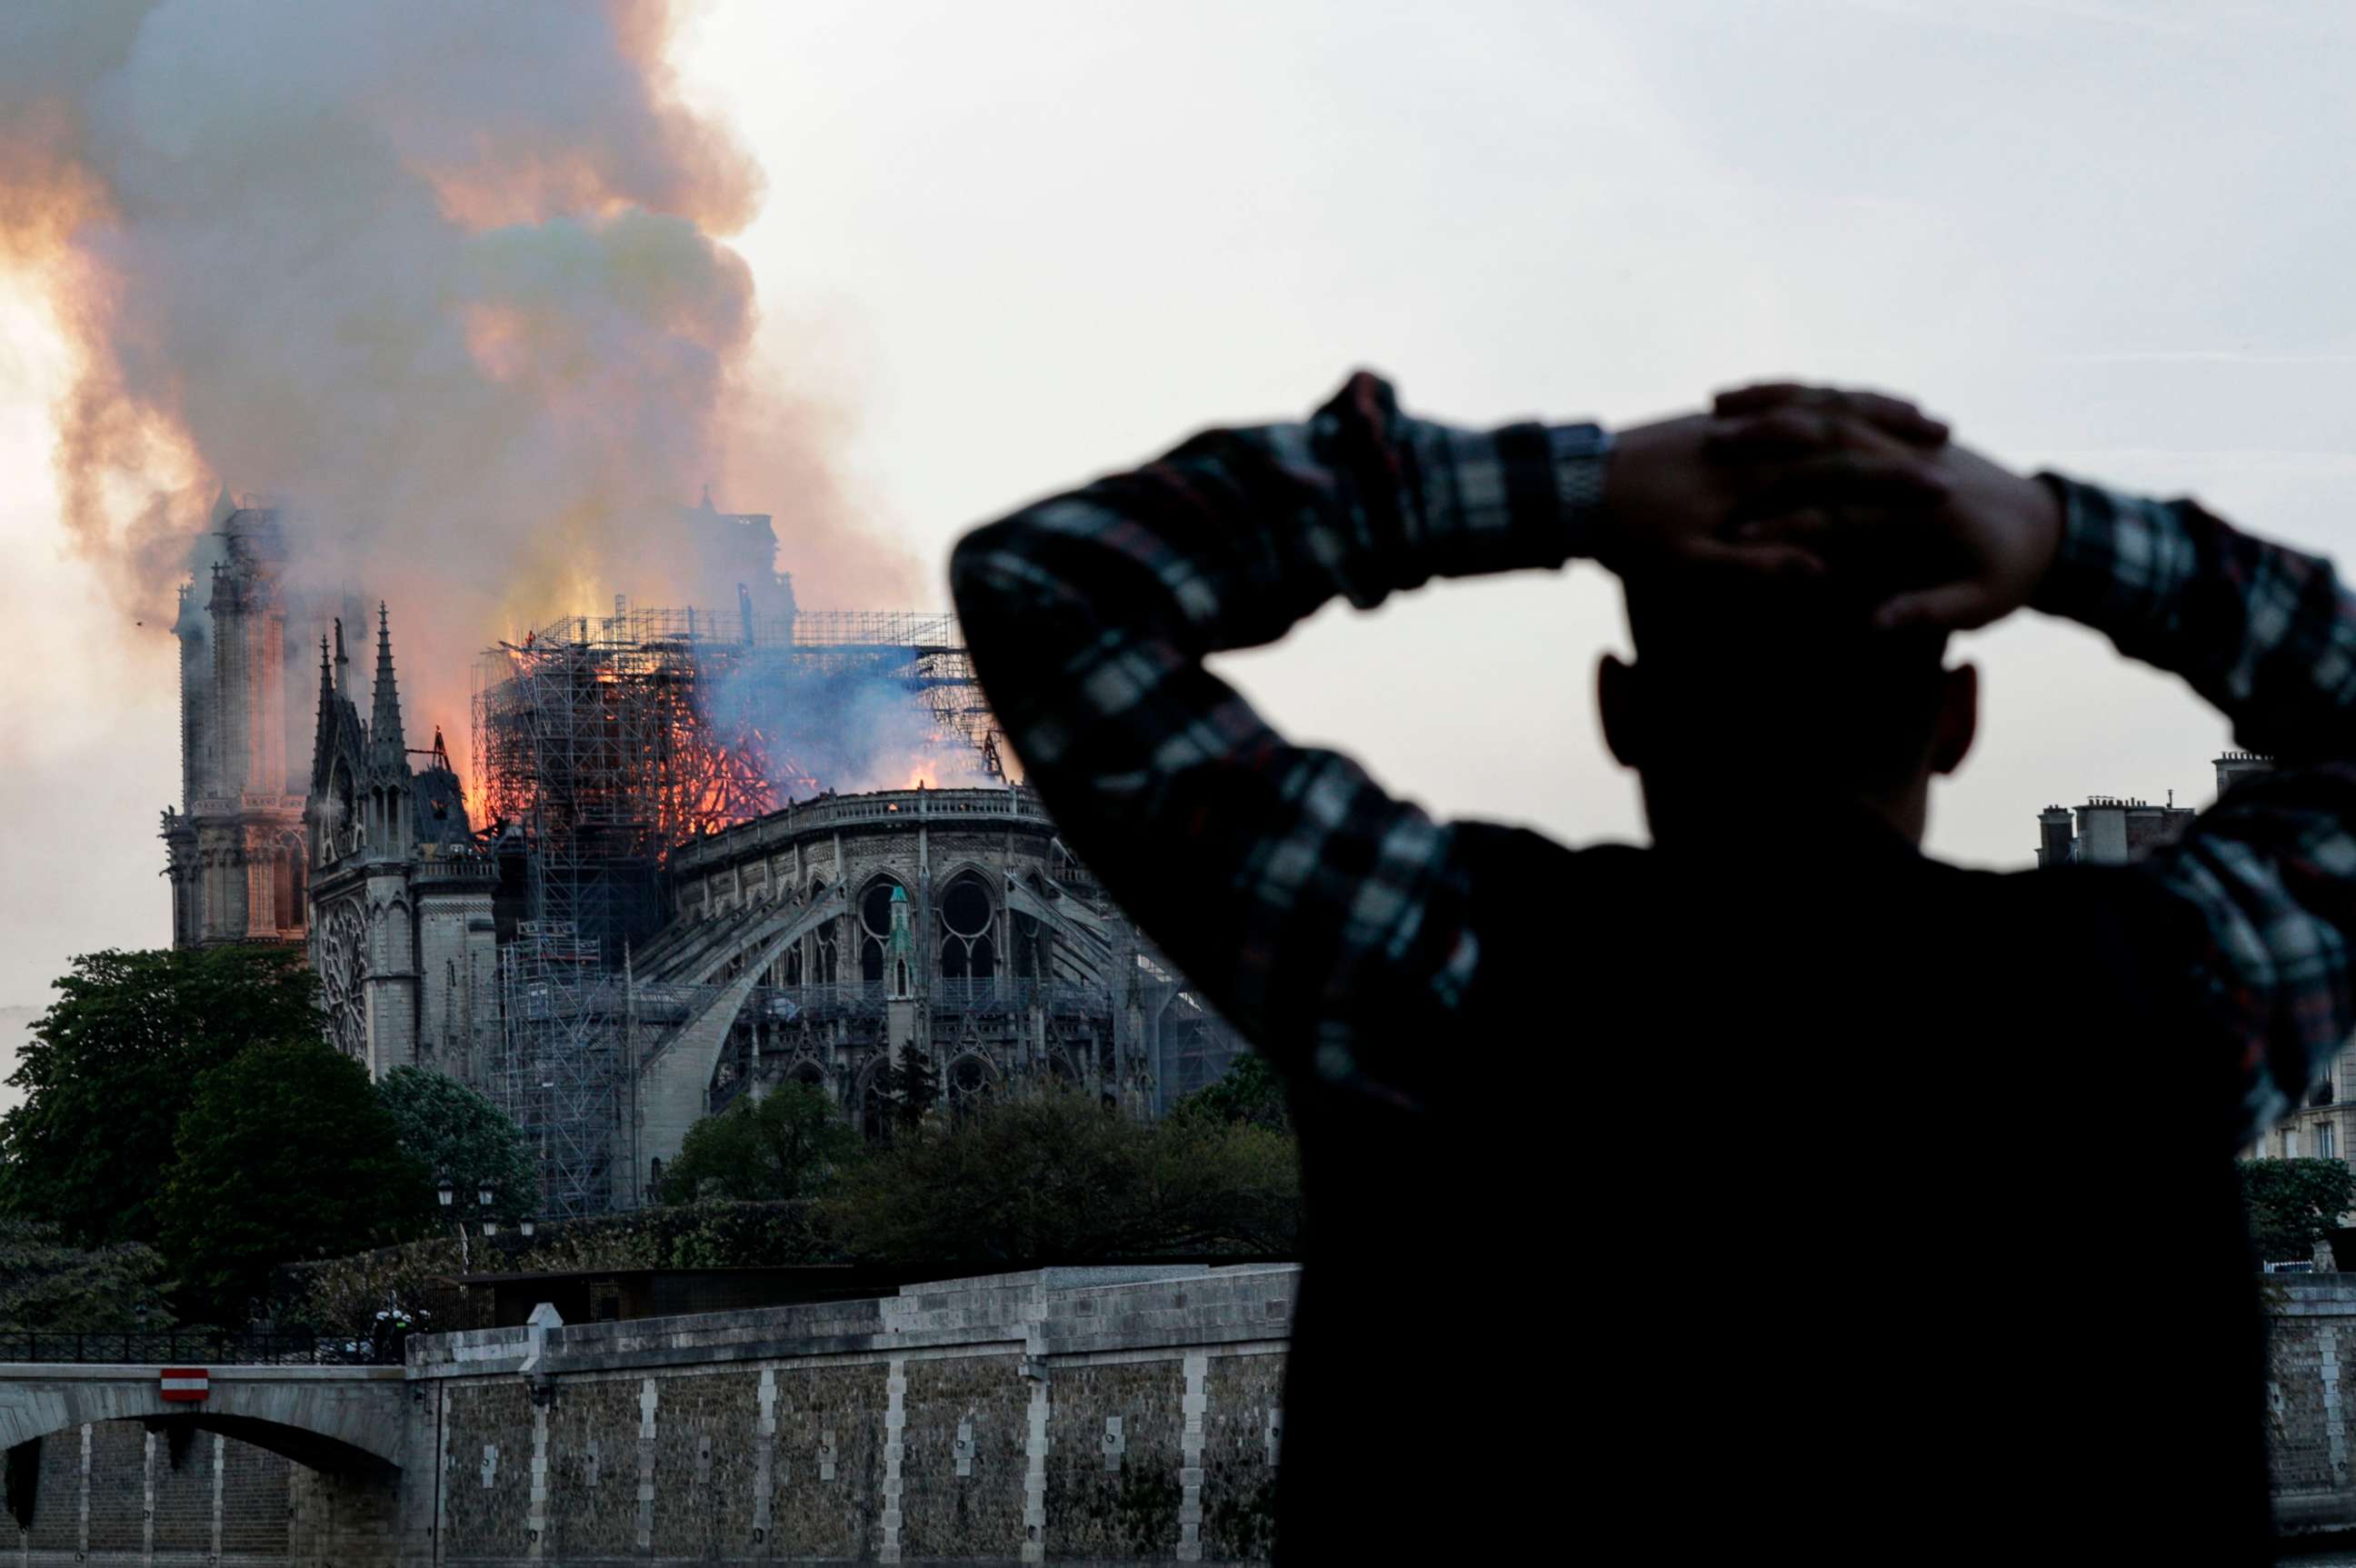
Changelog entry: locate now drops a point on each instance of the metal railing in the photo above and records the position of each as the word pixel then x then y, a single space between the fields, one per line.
pixel 910 807
pixel 194 1348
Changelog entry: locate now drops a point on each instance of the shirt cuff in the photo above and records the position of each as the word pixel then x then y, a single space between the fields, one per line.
pixel 1582 457
pixel 2119 560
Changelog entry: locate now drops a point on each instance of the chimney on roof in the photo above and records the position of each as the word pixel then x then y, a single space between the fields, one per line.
pixel 2235 766
pixel 2053 836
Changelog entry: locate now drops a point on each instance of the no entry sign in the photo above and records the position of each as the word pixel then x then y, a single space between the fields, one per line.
pixel 185 1385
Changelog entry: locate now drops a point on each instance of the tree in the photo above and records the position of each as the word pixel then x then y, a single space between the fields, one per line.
pixel 784 1145
pixel 1249 1093
pixel 913 1086
pixel 47 1284
pixel 2293 1204
pixel 112 1065
pixel 1056 1177
pixel 450 1130
pixel 283 1152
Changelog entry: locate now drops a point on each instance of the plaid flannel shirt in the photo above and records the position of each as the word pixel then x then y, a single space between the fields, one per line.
pixel 2268 635
pixel 1331 921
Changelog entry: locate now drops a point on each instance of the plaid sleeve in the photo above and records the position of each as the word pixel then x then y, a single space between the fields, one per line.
pixel 1284 881
pixel 2269 636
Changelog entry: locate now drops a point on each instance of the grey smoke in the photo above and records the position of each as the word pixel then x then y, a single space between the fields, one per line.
pixel 842 729
pixel 449 278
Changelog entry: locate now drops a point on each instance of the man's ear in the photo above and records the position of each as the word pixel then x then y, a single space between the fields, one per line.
pixel 1959 718
pixel 1621 706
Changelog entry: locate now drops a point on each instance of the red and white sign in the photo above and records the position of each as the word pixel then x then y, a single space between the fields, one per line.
pixel 185 1385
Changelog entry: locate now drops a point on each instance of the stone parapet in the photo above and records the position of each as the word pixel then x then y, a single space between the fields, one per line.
pixel 1112 1414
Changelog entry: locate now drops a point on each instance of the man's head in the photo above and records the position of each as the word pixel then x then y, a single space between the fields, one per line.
pixel 1738 683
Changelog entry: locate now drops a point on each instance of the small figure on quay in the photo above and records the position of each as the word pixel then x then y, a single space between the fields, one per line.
pixel 1744 1187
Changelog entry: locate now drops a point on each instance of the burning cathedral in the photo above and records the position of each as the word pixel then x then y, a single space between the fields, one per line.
pixel 706 850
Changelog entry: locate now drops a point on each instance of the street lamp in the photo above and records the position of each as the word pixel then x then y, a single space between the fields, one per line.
pixel 483 1196
pixel 447 1192
pixel 527 1225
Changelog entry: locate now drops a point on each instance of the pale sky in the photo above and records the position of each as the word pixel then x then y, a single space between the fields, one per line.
pixel 1019 244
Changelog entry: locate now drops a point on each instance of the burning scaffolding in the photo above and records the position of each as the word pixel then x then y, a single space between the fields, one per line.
pixel 610 740
pixel 593 735
pixel 607 742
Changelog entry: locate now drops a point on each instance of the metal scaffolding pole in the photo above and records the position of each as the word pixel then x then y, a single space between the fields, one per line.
pixel 608 741
pixel 560 1066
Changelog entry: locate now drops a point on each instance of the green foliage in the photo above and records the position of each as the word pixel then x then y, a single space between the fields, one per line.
pixel 1055 1177
pixel 910 1082
pixel 114 1064
pixel 2293 1204
pixel 343 1294
pixel 786 1145
pixel 285 1151
pixel 1249 1093
pixel 47 1284
pixel 448 1128
pixel 721 1235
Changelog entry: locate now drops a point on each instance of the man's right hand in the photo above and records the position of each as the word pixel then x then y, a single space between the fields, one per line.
pixel 1970 560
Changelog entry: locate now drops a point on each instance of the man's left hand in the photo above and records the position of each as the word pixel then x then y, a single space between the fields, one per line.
pixel 1673 488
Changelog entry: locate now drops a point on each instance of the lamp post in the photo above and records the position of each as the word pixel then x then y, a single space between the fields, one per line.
pixel 483 1196
pixel 447 1192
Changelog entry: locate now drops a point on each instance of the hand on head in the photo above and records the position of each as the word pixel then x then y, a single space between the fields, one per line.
pixel 1783 480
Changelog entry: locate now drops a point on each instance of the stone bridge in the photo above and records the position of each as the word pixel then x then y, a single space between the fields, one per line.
pixel 343 1419
pixel 349 1434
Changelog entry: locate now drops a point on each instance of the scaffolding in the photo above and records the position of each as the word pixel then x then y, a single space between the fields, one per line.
pixel 563 1068
pixel 607 742
pixel 597 736
pixel 924 652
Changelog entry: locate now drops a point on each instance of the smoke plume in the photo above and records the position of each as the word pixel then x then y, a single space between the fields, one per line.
pixel 446 279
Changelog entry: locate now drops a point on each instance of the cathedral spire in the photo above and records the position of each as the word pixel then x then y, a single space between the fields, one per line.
pixel 384 721
pixel 340 660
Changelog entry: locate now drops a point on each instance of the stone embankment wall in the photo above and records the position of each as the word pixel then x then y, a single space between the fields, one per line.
pixel 1087 1415
pixel 114 1493
pixel 1091 1416
pixel 2313 1340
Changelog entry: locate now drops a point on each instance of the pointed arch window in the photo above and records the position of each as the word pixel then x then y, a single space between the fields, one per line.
pixel 876 932
pixel 968 919
pixel 970 1083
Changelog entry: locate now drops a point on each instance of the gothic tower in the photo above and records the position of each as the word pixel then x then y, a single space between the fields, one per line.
pixel 235 842
pixel 403 934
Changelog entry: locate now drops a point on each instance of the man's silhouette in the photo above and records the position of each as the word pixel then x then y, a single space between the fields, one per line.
pixel 1775 1188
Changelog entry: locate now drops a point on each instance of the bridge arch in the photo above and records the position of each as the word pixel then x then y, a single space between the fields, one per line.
pixel 341 1420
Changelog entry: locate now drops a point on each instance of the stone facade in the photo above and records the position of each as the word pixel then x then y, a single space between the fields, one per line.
pixel 403 931
pixel 234 844
pixel 820 941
